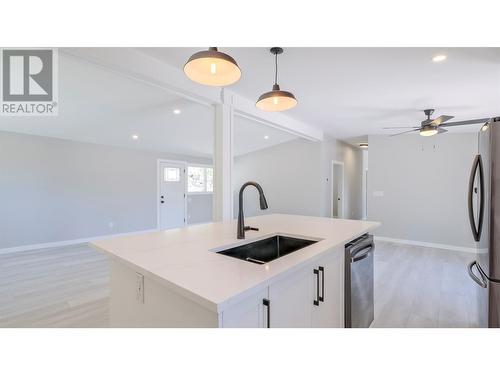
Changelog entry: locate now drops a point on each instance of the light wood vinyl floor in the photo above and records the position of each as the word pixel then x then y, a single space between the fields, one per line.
pixel 68 287
pixel 58 287
pixel 422 287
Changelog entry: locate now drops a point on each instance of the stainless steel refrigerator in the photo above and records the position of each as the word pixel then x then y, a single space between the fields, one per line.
pixel 484 217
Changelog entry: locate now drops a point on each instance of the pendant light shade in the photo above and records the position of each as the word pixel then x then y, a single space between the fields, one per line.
pixel 212 68
pixel 276 99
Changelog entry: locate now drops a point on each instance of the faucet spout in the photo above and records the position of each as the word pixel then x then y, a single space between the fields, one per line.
pixel 241 216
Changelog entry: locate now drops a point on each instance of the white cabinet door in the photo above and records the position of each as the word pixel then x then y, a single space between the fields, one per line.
pixel 290 300
pixel 247 313
pixel 330 311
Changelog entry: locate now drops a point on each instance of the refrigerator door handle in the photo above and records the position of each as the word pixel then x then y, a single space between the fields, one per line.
pixel 476 229
pixel 479 281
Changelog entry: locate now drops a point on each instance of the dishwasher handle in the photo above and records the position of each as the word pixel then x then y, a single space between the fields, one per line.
pixel 361 253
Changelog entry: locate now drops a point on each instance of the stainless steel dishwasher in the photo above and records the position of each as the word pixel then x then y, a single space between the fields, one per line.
pixel 359 309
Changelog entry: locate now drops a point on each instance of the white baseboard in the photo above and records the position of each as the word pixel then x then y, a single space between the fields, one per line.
pixel 427 244
pixel 78 241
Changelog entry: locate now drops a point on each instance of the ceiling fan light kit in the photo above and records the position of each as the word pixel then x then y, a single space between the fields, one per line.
pixel 212 68
pixel 428 130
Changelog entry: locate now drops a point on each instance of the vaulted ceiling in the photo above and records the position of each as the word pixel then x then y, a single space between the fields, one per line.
pixel 350 92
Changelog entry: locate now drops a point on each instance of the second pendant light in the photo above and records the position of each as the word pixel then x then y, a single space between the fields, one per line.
pixel 276 99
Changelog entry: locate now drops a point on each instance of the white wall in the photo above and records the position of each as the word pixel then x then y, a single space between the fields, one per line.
pixel 289 175
pixel 57 190
pixel 296 177
pixel 199 208
pixel 424 184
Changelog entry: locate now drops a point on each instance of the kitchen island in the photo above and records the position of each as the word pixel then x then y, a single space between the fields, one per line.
pixel 176 278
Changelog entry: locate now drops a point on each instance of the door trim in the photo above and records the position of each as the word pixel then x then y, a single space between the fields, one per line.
pixel 342 213
pixel 158 188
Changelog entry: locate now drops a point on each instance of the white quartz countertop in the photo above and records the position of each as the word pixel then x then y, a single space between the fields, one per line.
pixel 186 261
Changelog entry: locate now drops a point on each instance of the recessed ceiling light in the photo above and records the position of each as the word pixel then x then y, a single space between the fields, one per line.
pixel 439 58
pixel 266 137
pixel 177 111
pixel 135 137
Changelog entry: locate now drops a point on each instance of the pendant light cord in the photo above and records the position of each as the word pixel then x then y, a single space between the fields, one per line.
pixel 276 69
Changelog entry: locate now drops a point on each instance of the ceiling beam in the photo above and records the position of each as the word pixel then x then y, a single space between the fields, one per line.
pixel 138 65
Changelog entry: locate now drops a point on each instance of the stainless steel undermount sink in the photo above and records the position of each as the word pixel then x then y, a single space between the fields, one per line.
pixel 268 249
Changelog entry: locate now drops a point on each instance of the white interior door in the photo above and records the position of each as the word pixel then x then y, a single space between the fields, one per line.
pixel 172 199
pixel 337 190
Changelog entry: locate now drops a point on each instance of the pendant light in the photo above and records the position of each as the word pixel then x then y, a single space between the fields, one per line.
pixel 276 99
pixel 212 68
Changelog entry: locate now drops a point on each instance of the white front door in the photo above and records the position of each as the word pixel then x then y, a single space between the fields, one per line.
pixel 172 199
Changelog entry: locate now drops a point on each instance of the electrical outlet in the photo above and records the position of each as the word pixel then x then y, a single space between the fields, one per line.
pixel 139 290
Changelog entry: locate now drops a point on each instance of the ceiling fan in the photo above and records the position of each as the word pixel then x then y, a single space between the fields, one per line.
pixel 430 127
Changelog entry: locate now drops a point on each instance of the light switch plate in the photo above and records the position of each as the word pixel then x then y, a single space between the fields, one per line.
pixel 139 290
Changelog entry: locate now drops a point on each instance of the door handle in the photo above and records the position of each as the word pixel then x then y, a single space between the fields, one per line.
pixel 476 228
pixel 361 254
pixel 322 297
pixel 478 281
pixel 316 301
pixel 267 303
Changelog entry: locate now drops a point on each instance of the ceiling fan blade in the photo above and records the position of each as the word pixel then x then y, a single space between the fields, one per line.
pixel 439 120
pixel 408 131
pixel 441 130
pixel 468 122
pixel 402 127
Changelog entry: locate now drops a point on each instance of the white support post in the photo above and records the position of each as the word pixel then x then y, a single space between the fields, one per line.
pixel 223 163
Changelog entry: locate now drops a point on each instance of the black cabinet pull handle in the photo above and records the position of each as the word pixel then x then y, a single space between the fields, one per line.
pixel 267 303
pixel 322 298
pixel 316 301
